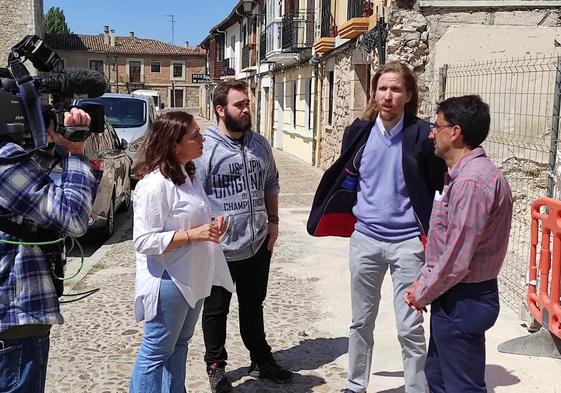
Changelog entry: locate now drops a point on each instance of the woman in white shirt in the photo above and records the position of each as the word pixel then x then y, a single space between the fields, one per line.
pixel 178 258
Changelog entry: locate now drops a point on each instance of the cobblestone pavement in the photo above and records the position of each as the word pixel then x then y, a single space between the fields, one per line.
pixel 95 349
pixel 307 314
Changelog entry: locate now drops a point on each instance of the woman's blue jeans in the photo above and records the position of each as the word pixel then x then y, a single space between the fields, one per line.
pixel 161 362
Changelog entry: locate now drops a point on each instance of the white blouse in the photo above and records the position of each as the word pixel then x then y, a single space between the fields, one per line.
pixel 161 208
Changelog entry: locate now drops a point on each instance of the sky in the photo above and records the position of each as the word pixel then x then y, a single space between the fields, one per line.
pixel 147 18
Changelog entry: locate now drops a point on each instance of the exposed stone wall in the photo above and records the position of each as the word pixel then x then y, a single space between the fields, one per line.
pixel 408 40
pixel 343 109
pixel 17 19
pixel 414 32
pixel 349 100
pixel 192 96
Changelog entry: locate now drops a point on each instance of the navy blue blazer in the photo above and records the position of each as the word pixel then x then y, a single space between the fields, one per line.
pixel 331 213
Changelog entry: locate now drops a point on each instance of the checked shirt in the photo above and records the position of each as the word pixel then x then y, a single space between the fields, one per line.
pixel 28 195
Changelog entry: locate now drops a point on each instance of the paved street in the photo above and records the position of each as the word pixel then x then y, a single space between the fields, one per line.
pixel 307 314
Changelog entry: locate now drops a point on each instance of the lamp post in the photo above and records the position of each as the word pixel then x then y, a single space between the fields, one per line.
pixel 248 8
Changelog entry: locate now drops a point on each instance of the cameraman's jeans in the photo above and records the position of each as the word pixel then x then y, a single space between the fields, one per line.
pixel 23 364
pixel 161 362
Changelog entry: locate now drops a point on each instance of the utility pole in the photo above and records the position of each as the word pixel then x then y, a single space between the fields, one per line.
pixel 172 27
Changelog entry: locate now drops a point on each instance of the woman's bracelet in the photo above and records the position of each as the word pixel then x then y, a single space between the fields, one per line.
pixel 273 219
pixel 188 237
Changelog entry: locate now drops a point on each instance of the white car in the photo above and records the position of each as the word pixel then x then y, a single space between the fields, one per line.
pixel 131 115
pixel 155 94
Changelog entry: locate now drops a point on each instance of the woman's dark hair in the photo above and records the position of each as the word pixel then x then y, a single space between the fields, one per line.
pixel 410 79
pixel 471 114
pixel 158 149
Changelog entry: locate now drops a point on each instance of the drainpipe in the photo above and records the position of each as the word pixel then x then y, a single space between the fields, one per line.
pixel 318 98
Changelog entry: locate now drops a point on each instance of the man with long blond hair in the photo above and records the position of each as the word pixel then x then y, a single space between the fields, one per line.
pixel 396 178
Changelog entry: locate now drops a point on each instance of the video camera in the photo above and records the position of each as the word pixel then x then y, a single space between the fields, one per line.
pixel 22 117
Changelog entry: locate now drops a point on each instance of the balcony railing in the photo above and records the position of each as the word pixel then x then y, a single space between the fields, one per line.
pixel 297 30
pixel 359 8
pixel 228 67
pixel 246 50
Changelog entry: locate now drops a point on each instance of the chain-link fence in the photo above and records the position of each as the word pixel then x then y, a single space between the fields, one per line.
pixel 523 96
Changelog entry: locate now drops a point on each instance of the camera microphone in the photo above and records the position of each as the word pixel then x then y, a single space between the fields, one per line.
pixel 73 81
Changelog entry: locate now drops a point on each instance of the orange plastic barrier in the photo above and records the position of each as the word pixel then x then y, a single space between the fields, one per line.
pixel 544 305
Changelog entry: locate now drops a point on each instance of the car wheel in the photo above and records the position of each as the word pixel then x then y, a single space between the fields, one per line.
pixel 109 227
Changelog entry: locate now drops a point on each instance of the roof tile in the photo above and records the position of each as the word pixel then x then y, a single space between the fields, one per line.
pixel 123 45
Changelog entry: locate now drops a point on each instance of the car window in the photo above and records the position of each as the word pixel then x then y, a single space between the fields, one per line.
pixel 122 112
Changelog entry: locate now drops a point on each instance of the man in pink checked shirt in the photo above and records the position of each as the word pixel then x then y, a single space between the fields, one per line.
pixel 467 243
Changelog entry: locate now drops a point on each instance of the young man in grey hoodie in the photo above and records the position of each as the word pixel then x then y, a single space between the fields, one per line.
pixel 238 172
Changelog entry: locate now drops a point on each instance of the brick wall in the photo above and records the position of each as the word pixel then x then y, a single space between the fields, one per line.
pixel 160 81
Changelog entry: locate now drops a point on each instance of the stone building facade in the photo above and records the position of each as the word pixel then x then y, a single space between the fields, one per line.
pixel 345 83
pixel 426 35
pixel 130 63
pixel 17 19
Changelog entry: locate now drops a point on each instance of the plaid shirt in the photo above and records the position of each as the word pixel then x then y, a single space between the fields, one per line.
pixel 27 194
pixel 469 228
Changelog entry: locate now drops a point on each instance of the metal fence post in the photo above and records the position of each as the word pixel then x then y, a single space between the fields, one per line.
pixel 554 131
pixel 382 35
pixel 442 74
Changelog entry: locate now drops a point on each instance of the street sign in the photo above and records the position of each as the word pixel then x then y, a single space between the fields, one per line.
pixel 200 78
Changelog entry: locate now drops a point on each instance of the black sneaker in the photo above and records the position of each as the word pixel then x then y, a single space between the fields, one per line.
pixel 270 370
pixel 218 379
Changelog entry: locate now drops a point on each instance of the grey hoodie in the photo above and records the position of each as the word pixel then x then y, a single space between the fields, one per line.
pixel 236 178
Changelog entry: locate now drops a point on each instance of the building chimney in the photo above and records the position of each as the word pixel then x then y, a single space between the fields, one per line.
pixel 106 35
pixel 132 33
pixel 112 37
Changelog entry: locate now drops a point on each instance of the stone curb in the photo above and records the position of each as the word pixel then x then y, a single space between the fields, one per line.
pixel 89 262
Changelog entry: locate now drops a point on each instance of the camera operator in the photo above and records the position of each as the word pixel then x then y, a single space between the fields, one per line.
pixel 28 300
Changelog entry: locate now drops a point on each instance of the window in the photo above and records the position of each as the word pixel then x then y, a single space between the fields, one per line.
pixel 122 112
pixel 155 66
pixel 309 115
pixel 330 81
pixel 177 70
pixel 219 50
pixel 96 65
pixel 134 71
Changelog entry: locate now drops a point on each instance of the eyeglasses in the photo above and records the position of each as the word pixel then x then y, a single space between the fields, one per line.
pixel 435 128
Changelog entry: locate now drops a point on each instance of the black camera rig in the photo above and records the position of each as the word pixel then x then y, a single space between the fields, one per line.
pixel 23 119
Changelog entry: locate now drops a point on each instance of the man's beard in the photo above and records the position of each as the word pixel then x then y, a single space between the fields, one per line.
pixel 233 125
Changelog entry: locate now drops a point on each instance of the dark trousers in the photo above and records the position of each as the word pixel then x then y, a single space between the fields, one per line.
pixel 251 277
pixel 456 355
pixel 23 364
